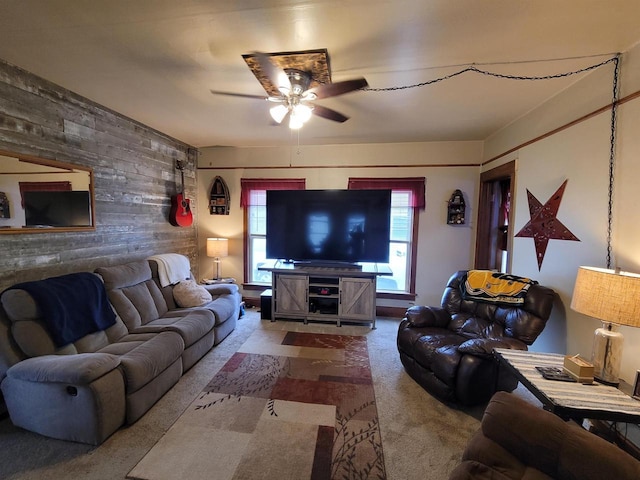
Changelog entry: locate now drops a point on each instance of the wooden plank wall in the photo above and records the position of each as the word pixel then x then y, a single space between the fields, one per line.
pixel 134 178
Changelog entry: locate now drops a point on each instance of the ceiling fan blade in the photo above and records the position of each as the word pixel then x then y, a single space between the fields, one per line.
pixel 242 95
pixel 338 88
pixel 276 75
pixel 329 114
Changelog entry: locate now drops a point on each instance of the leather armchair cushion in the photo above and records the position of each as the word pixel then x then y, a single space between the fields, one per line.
pixel 445 364
pixel 427 344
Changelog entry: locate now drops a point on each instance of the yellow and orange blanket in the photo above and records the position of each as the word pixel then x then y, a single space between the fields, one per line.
pixel 496 287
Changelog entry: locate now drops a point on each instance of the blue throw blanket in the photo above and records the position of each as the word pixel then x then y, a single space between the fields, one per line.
pixel 71 306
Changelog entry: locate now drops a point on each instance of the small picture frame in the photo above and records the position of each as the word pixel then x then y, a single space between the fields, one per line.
pixel 636 386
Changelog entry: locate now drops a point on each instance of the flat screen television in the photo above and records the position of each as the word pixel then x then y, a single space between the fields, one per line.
pixel 328 226
pixel 57 209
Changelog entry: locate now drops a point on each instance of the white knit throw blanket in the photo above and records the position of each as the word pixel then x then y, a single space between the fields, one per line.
pixel 172 268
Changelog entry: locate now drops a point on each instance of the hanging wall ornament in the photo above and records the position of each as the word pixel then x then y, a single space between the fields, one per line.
pixel 544 225
pixel 219 200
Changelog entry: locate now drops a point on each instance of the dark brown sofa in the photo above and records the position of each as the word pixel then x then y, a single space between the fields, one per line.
pixel 518 440
pixel 448 349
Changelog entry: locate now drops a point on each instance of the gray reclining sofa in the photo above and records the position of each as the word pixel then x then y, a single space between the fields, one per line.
pixel 84 390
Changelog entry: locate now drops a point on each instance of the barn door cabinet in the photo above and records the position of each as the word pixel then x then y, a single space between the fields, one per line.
pixel 324 295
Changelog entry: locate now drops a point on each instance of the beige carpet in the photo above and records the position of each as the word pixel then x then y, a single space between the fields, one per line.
pixel 287 405
pixel 423 438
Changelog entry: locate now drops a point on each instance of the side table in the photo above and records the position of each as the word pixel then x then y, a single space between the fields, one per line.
pixel 572 400
pixel 217 281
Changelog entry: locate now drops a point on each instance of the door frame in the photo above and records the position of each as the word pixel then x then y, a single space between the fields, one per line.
pixel 506 171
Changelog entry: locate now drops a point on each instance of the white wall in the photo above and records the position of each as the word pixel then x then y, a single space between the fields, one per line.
pixel 581 155
pixel 447 166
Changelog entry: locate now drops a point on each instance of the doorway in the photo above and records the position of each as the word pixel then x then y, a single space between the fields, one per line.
pixel 493 241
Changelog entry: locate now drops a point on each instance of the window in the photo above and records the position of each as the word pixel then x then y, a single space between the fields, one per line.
pixel 400 245
pixel 254 200
pixel 43 187
pixel 257 215
pixel 407 195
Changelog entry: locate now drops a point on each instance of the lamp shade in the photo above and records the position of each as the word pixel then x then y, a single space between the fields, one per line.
pixel 608 295
pixel 217 247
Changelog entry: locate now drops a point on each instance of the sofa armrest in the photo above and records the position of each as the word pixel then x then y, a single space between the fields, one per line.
pixel 545 442
pixel 483 347
pixel 424 316
pixel 78 369
pixel 222 289
pixel 79 397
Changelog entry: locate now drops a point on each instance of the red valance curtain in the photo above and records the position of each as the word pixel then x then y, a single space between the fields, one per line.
pixel 42 187
pixel 415 185
pixel 249 184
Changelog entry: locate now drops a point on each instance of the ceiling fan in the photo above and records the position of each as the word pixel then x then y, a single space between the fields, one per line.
pixel 290 87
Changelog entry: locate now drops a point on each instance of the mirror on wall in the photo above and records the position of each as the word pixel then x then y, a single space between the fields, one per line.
pixel 41 195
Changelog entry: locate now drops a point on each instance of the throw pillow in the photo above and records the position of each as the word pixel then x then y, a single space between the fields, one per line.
pixel 188 293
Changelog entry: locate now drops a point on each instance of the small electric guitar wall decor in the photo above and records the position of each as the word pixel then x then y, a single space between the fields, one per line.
pixel 180 215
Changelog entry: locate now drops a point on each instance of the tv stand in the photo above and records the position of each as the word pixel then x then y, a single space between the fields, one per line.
pixel 324 293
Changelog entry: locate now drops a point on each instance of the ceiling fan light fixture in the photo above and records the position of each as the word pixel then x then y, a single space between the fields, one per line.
pixel 308 96
pixel 284 84
pixel 292 80
pixel 295 122
pixel 278 112
pixel 302 112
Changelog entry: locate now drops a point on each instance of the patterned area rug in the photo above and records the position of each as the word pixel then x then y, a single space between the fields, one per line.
pixel 287 405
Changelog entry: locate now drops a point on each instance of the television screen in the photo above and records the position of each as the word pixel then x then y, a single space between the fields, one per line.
pixel 57 209
pixel 329 225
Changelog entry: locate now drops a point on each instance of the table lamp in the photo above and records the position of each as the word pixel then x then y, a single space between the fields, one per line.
pixel 216 248
pixel 612 297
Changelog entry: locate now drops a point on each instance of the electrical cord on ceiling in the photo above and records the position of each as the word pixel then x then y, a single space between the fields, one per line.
pixel 474 68
pixel 614 108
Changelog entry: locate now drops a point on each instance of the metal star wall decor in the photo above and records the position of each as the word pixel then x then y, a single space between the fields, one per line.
pixel 544 225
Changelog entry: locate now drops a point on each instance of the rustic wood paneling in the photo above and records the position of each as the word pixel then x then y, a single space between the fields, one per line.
pixel 134 178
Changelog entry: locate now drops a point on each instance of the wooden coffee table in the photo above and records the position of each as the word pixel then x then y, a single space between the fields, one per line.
pixel 569 400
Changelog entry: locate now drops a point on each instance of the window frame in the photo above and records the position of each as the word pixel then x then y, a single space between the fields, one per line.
pixel 417 187
pixel 247 185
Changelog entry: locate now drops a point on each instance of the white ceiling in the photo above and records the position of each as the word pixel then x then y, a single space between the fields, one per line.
pixel 157 60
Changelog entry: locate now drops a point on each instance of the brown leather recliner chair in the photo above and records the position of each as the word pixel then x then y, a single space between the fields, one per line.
pixel 448 349
pixel 518 440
